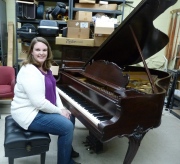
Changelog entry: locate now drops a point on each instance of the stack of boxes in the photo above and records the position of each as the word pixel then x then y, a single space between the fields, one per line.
pixel 83 16
pixel 102 30
pixel 80 27
pixel 78 30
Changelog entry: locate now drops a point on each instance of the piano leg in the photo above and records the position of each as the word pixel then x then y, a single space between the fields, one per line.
pixel 134 143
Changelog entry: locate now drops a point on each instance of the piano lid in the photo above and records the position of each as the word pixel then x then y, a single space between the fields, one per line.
pixel 121 48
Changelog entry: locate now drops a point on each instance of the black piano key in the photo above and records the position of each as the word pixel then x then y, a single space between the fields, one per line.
pixel 85 104
pixel 98 114
pixel 104 118
pixel 93 111
pixel 90 108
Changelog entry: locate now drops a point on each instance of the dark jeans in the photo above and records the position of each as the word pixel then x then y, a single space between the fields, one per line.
pixel 56 124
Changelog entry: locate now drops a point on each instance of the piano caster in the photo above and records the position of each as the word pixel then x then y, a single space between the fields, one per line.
pixel 93 144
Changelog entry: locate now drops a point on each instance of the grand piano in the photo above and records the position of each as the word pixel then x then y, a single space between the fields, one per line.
pixel 109 94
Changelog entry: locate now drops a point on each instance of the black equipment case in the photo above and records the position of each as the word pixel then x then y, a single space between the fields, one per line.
pixel 48 28
pixel 26 11
pixel 27 32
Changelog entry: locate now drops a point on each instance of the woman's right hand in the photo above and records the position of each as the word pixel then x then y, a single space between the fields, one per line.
pixel 66 113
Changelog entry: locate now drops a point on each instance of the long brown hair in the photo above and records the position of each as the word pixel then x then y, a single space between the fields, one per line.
pixel 30 60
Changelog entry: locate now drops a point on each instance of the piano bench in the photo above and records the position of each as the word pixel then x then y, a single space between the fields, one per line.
pixel 21 143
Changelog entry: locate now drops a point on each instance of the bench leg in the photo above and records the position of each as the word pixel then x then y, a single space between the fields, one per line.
pixel 43 156
pixel 11 160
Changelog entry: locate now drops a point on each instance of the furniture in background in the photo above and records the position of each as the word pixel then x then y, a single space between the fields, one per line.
pixel 7 82
pixel 173 100
pixel 21 143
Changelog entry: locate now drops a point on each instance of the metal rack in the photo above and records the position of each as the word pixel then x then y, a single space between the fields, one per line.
pixel 116 12
pixel 71 10
pixel 34 22
pixel 172 99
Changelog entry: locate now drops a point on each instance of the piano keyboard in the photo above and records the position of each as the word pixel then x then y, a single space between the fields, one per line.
pixel 86 109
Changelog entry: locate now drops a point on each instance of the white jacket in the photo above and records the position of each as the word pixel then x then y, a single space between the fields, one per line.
pixel 29 96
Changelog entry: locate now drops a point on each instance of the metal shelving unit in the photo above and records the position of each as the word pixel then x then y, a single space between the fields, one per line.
pixel 35 22
pixel 71 10
pixel 115 12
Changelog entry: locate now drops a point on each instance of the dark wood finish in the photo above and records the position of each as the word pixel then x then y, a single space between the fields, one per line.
pixel 122 94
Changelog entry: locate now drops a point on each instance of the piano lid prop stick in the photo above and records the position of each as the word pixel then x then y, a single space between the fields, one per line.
pixel 154 89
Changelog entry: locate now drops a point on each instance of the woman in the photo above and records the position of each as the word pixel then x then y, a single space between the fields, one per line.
pixel 36 105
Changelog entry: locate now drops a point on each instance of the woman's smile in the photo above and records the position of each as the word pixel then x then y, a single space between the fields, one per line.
pixel 40 52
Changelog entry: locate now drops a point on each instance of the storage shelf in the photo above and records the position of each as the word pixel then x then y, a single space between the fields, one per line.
pixel 112 1
pixel 71 11
pixel 114 12
pixel 98 11
pixel 36 21
pixel 64 1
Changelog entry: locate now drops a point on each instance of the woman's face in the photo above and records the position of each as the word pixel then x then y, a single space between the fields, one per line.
pixel 40 52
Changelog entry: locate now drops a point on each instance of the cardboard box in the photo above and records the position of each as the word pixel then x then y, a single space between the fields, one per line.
pixel 78 29
pixel 74 32
pixel 83 15
pixel 55 70
pixel 102 27
pixel 87 1
pixel 75 41
pixel 78 23
pixel 99 39
pixel 96 6
pixel 103 30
